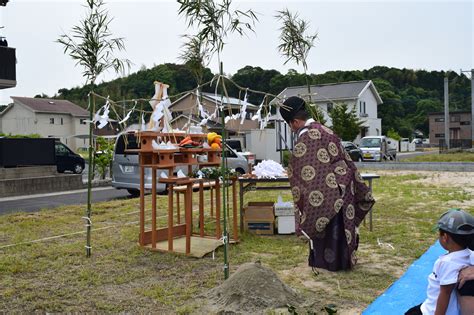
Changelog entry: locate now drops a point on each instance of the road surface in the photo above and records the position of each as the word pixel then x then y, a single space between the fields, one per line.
pixel 33 203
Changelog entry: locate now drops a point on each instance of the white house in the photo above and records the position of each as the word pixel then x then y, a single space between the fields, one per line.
pixel 359 94
pixel 47 117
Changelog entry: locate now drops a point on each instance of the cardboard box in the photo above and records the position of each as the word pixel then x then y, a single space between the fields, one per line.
pixel 260 227
pixel 256 211
pixel 286 224
pixel 284 209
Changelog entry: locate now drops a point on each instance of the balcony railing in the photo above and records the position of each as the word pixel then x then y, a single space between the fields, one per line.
pixel 7 67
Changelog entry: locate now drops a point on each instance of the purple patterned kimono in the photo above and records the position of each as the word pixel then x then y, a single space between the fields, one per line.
pixel 331 198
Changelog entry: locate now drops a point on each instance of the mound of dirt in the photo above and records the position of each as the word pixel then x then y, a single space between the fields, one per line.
pixel 251 289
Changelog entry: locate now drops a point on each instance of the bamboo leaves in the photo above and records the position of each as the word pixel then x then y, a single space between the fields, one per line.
pixel 195 56
pixel 215 20
pixel 90 43
pixel 295 43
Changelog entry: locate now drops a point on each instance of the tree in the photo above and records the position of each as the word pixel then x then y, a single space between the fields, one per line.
pixel 346 124
pixel 92 46
pixel 394 135
pixel 256 78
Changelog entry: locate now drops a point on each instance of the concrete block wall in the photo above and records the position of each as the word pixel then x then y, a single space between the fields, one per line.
pixel 26 172
pixel 36 180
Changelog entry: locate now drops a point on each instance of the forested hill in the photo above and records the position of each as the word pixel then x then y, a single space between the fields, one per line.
pixel 408 95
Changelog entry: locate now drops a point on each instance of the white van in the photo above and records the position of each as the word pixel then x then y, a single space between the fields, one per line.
pixel 126 171
pixel 378 148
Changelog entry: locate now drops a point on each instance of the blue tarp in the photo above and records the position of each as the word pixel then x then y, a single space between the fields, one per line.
pixel 410 289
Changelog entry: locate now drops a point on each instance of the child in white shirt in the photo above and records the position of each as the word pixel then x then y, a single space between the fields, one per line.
pixel 456 231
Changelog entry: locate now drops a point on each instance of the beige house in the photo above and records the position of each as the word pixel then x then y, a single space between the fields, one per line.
pixel 47 117
pixel 185 109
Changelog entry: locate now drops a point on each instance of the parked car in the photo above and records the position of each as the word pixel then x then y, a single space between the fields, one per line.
pixel 354 152
pixel 67 160
pixel 235 144
pixel 126 170
pixel 378 148
pixel 417 141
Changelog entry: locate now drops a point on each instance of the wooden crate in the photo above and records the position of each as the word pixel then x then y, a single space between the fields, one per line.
pixel 259 210
pixel 260 227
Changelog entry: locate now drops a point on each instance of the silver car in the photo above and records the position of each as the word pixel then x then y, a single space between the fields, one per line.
pixel 126 171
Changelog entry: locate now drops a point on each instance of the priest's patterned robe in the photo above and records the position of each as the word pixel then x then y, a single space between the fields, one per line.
pixel 330 196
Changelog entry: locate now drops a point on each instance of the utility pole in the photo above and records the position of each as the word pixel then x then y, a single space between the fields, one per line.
pixel 446 111
pixel 472 105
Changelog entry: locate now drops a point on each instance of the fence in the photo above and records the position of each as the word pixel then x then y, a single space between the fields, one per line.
pixel 456 144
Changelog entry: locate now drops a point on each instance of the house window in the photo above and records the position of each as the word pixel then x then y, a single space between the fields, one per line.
pixel 465 123
pixel 455 118
pixel 362 108
pixel 51 121
pixel 439 119
pixel 61 121
pixel 439 135
pixel 330 107
pixel 82 121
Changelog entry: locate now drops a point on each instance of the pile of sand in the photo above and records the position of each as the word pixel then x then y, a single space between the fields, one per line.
pixel 251 289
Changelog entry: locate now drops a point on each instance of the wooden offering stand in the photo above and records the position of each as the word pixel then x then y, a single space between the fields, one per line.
pixel 169 159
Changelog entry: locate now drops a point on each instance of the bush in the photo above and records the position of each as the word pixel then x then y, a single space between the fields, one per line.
pixel 104 155
pixel 33 135
pixel 286 158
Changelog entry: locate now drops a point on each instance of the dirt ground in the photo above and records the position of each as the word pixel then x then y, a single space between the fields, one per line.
pixel 462 180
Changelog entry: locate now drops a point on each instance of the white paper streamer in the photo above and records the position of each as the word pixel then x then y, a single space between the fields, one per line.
pixel 243 110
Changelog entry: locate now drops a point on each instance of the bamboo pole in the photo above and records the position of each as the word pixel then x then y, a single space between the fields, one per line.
pixel 225 184
pixel 89 178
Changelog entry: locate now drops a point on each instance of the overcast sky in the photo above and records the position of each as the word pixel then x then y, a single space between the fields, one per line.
pixel 353 35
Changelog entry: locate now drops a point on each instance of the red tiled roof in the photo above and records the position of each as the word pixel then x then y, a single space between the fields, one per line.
pixel 52 106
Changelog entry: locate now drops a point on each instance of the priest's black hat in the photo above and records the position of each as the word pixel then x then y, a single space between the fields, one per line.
pixel 292 105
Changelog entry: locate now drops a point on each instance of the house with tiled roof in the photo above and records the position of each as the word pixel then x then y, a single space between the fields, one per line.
pixel 359 95
pixel 184 111
pixel 47 117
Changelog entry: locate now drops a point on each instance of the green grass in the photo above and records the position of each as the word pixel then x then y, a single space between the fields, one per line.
pixel 444 157
pixel 55 276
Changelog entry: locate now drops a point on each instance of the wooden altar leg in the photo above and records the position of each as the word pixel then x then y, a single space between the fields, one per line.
pixel 142 204
pixel 188 215
pixel 218 209
pixel 212 201
pixel 153 208
pixel 201 208
pixel 178 207
pixel 234 210
pixel 170 217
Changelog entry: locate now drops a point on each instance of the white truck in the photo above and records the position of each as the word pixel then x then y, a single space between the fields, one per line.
pixel 378 148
